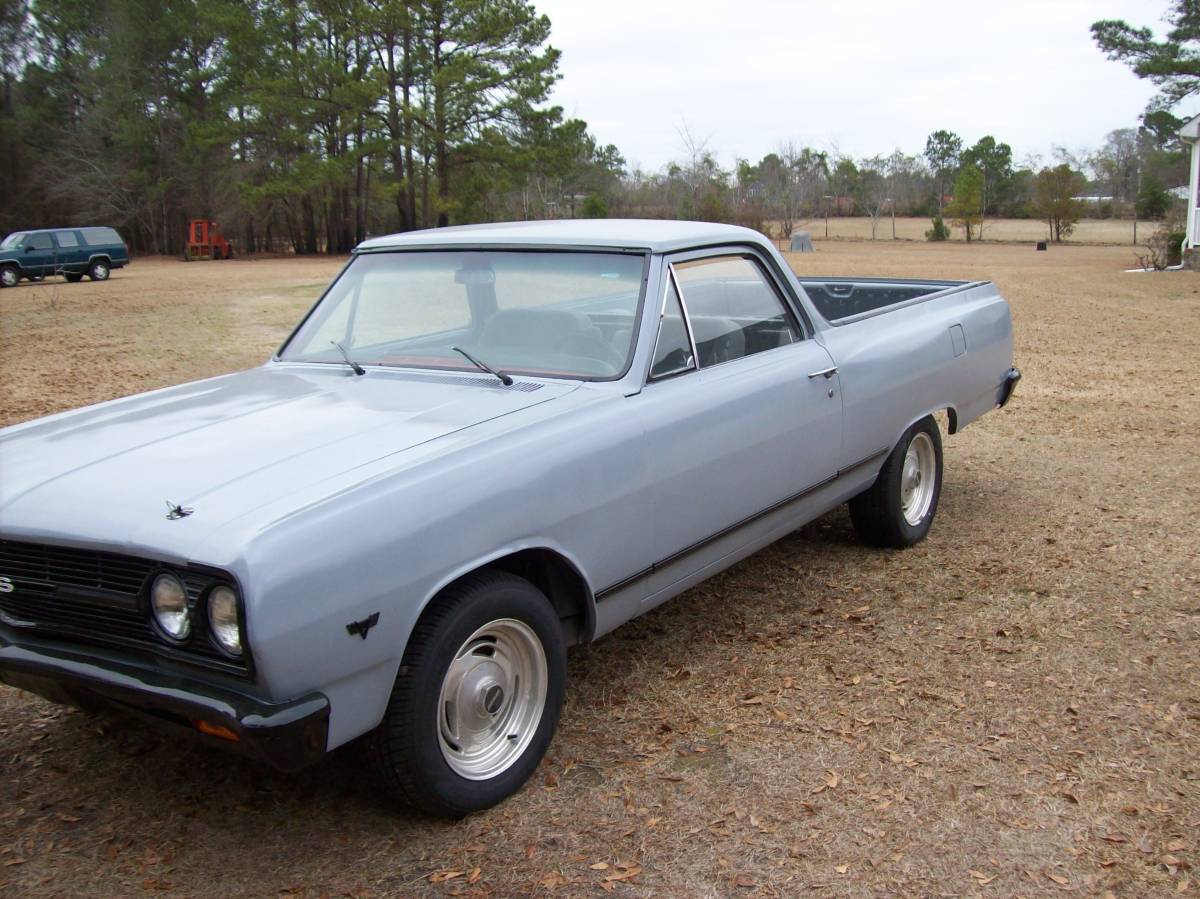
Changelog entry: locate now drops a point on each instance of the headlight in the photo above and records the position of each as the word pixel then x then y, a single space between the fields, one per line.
pixel 223 619
pixel 168 600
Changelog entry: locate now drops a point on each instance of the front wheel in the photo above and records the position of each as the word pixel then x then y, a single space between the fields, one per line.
pixel 477 698
pixel 898 509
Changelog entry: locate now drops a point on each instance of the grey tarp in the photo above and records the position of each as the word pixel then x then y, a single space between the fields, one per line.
pixel 801 242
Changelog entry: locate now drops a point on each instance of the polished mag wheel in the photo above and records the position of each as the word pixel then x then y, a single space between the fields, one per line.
pixel 492 699
pixel 476 699
pixel 917 479
pixel 898 509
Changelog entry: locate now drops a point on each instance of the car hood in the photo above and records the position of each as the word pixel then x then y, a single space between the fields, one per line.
pixel 227 446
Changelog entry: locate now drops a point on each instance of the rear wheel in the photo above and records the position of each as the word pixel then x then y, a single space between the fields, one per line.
pixel 73 277
pixel 98 271
pixel 477 698
pixel 9 276
pixel 898 509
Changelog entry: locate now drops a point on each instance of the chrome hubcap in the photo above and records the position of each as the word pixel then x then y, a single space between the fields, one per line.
pixel 8 277
pixel 492 699
pixel 100 272
pixel 917 479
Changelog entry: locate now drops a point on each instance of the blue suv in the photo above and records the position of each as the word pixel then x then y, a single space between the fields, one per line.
pixel 70 252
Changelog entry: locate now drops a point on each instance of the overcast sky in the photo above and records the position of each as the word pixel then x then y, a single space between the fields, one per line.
pixel 858 76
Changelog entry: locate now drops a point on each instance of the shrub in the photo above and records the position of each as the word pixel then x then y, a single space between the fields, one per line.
pixel 939 231
pixel 593 207
pixel 1162 249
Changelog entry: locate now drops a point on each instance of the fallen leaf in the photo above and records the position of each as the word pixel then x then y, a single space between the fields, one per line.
pixel 599 866
pixel 1059 879
pixel 630 871
pixel 842 869
pixel 441 876
pixel 475 874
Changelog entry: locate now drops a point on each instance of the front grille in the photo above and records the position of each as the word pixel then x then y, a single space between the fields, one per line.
pixel 85 596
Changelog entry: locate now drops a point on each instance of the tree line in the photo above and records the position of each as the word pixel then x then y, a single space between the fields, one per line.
pixel 306 126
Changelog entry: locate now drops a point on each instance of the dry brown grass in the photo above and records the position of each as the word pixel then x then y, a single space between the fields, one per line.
pixel 1091 231
pixel 1010 708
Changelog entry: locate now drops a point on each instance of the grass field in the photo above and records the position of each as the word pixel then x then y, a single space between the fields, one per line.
pixel 1010 708
pixel 1091 231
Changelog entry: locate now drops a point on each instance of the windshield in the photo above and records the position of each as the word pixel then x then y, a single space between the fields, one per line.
pixel 13 240
pixel 568 315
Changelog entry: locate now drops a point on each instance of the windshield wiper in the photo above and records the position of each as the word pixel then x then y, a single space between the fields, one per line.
pixel 483 366
pixel 358 369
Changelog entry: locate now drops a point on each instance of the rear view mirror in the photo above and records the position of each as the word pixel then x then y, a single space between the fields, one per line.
pixel 474 277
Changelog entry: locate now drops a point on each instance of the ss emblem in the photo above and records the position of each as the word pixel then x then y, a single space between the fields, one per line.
pixel 6 585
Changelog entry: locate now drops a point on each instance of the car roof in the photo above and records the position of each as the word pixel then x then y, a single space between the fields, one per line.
pixel 644 234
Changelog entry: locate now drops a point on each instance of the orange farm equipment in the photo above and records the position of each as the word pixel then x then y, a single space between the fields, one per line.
pixel 205 241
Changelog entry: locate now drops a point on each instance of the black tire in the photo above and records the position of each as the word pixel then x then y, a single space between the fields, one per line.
pixel 405 752
pixel 73 277
pixel 10 276
pixel 99 270
pixel 878 512
pixel 37 278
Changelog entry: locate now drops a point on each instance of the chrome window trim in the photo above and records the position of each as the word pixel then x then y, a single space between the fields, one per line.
pixel 668 282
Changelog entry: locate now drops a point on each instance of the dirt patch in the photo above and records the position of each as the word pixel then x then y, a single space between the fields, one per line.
pixel 1009 708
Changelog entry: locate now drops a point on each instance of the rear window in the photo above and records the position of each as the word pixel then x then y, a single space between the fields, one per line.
pixel 66 238
pixel 95 237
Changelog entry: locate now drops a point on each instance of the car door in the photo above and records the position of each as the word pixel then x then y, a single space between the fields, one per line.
pixel 38 258
pixel 741 410
pixel 72 255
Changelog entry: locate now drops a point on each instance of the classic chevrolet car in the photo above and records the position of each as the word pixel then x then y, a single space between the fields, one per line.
pixel 482 445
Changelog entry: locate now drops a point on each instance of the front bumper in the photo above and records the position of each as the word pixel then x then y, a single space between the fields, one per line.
pixel 289 735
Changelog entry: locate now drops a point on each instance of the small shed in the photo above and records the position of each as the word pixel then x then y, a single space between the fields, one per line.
pixel 801 242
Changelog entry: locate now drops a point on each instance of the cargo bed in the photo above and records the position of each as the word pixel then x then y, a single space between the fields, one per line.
pixel 841 299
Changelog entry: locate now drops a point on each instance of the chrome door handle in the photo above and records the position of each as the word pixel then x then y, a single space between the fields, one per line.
pixel 824 373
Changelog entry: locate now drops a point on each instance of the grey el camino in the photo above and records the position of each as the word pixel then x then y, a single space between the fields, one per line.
pixel 482 445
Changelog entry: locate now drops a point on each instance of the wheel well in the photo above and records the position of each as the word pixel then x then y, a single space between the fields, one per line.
pixel 952 419
pixel 562 583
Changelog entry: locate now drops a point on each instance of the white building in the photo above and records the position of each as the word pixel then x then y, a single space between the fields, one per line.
pixel 1191 133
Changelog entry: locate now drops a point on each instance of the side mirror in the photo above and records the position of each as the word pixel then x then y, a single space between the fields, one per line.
pixel 29 249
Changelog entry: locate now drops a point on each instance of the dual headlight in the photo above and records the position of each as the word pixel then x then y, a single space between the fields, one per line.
pixel 169 605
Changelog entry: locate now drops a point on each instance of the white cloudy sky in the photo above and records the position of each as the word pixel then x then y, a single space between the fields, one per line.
pixel 859 76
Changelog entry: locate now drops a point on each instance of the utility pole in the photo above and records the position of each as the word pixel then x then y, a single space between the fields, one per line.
pixel 1135 202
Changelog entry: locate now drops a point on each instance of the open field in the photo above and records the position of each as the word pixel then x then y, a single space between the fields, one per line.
pixel 1010 708
pixel 1091 231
